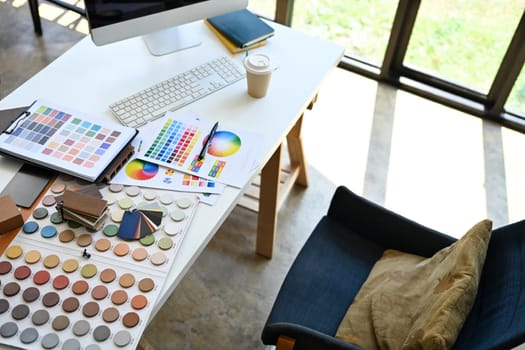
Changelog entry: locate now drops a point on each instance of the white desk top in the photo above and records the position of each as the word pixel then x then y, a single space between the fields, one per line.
pixel 89 78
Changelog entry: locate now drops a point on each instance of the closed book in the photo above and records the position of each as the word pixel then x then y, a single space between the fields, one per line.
pixel 229 45
pixel 242 27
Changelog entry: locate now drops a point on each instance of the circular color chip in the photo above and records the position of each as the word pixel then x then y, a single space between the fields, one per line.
pixel 139 302
pixel 158 258
pixel 11 289
pixel 84 240
pixel 146 285
pixel 70 304
pixel 140 254
pixel 4 306
pixel 30 294
pixel 71 344
pixel 111 314
pixel 166 199
pixel 81 327
pixel 5 267
pixel 121 249
pixel 32 257
pixel 70 265
pixel 50 299
pixel 122 338
pixel 60 323
pixel 20 312
pixel 110 230
pixel 80 287
pixel 102 244
pixel 147 240
pixel 108 275
pixel 22 272
pixel 56 218
pixel 28 335
pixel 8 329
pixel 50 341
pixel 90 309
pixel 125 203
pixel 184 202
pixel 60 282
pixel 108 197
pixel 40 213
pixel 66 236
pixel 40 317
pixel 92 347
pixel 30 227
pixel 48 231
pixel 131 319
pixel 115 188
pixel 101 333
pixel 14 251
pixel 58 188
pixel 165 243
pixel 99 292
pixel 49 200
pixel 126 280
pixel 132 191
pixel 177 215
pixel 51 261
pixel 119 297
pixel 41 277
pixel 88 270
pixel 116 215
pixel 149 195
pixel 73 224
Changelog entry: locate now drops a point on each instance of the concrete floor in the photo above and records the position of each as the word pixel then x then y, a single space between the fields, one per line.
pixel 438 166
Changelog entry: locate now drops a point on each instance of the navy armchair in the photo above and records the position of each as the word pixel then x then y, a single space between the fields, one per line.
pixel 338 256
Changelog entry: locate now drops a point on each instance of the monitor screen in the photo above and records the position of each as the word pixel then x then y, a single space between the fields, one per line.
pixel 161 22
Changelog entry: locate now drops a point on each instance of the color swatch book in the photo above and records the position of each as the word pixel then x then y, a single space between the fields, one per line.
pixel 176 140
pixel 67 141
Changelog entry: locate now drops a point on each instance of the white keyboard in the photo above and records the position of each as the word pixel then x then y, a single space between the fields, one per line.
pixel 176 92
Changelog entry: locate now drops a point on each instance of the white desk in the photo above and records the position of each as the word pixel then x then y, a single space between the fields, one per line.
pixel 89 78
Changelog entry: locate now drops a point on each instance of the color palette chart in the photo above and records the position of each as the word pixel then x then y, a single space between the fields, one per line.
pixel 66 288
pixel 176 140
pixel 67 141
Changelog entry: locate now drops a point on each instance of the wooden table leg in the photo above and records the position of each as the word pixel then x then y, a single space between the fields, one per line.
pixel 295 151
pixel 268 205
pixel 272 192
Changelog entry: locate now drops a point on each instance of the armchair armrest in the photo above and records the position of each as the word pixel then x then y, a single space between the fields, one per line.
pixel 305 338
pixel 383 226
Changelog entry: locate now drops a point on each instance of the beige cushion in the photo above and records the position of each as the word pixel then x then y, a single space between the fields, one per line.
pixel 411 302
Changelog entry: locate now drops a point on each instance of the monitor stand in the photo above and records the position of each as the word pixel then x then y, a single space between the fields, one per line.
pixel 172 39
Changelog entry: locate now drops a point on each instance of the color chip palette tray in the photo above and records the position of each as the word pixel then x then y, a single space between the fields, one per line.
pixel 63 287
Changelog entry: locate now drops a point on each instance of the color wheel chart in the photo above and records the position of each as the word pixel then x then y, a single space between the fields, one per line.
pixel 177 139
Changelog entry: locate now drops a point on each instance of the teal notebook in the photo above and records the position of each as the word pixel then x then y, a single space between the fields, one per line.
pixel 242 27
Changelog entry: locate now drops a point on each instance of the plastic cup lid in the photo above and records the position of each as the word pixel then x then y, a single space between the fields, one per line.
pixel 258 63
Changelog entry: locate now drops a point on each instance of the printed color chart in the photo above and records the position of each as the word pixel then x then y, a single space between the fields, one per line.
pixel 174 142
pixel 177 140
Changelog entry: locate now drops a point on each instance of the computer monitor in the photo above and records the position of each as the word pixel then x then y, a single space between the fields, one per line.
pixel 161 23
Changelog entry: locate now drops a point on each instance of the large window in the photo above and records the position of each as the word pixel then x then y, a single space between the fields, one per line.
pixel 466 54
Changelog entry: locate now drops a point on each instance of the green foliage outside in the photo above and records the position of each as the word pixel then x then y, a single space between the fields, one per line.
pixel 460 40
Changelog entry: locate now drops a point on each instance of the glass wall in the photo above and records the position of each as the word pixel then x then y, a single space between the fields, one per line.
pixel 463 41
